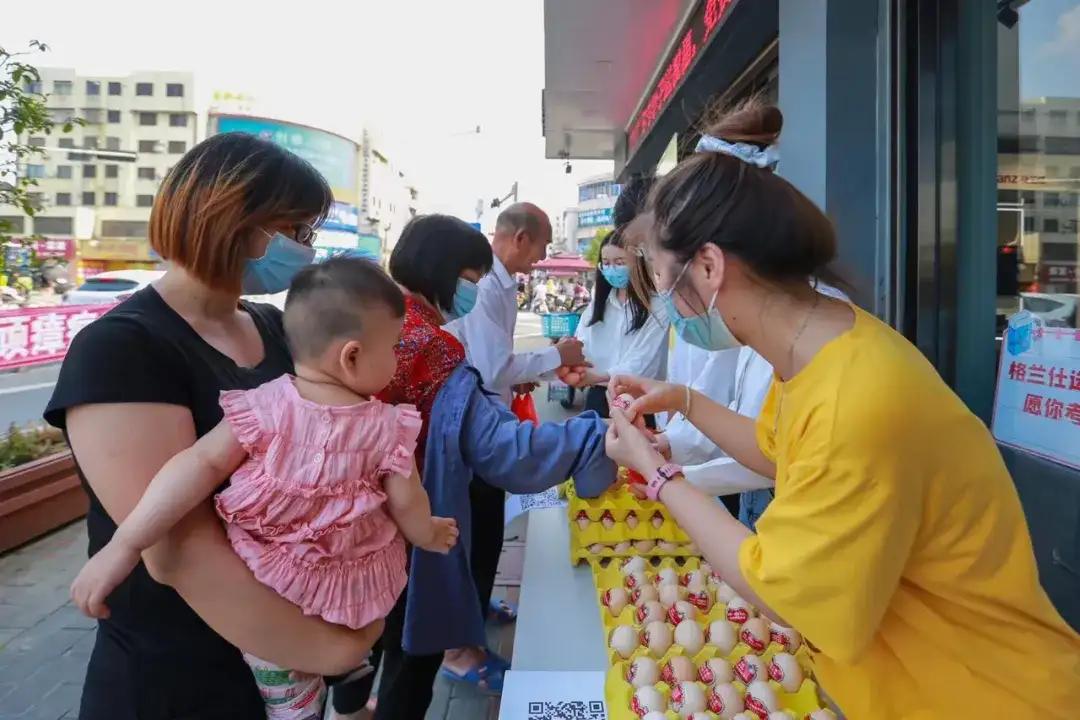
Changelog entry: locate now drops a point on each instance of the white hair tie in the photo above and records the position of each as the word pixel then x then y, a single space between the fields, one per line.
pixel 765 158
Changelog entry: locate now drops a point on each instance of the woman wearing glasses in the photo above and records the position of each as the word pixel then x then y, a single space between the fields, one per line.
pixel 235 216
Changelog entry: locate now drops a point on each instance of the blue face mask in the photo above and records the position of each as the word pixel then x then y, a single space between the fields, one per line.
pixel 272 273
pixel 707 331
pixel 464 299
pixel 618 276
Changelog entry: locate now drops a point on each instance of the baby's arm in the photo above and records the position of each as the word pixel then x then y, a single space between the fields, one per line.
pixel 185 481
pixel 410 508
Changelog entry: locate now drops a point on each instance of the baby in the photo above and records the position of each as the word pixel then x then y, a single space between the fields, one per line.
pixel 322 476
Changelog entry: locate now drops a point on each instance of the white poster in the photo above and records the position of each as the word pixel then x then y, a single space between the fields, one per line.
pixel 539 695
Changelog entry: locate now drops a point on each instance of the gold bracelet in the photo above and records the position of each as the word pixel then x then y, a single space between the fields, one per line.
pixel 688 399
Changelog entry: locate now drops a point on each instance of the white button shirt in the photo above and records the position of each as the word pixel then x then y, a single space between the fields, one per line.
pixel 611 349
pixel 487 333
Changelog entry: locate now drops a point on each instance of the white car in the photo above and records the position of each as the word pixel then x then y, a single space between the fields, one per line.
pixel 111 287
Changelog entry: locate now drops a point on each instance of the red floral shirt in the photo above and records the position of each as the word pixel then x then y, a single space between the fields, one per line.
pixel 426 355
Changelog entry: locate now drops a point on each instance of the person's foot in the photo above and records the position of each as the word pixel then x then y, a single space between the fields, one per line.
pixel 474 666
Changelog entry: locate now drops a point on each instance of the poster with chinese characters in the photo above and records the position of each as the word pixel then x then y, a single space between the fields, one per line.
pixel 34 336
pixel 1037 404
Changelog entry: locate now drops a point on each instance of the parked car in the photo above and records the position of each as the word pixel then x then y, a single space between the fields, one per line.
pixel 111 287
pixel 1056 310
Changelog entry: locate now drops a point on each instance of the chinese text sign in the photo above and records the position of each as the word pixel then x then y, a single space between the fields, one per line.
pixel 34 336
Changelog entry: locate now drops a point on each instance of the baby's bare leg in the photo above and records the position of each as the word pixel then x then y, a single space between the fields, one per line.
pixel 410 508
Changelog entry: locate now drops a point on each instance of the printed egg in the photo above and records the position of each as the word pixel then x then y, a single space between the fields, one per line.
pixel 722 635
pixel 666 576
pixel 624 641
pixel 583 520
pixel 726 701
pixel 657 637
pixel 750 668
pixel 671 594
pixel 687 698
pixel 667 546
pixel 699 597
pixel 636 579
pixel 694 578
pixel 787 638
pixel 681 610
pixel 745 716
pixel 657 519
pixel 785 670
pixel 650 612
pixel 643 594
pixel 596 548
pixel 632 565
pixel 761 699
pixel 678 669
pixel 701 716
pixel 643 672
pixel 755 635
pixel 706 569
pixel 739 610
pixel 631 520
pixel 724 592
pixel 607 520
pixel 647 700
pixel 615 600
pixel 644 546
pixel 781 715
pixel 654 715
pixel 623 547
pixel 716 670
pixel 690 636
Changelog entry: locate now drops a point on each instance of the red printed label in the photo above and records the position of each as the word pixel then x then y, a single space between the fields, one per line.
pixel 635 705
pixel 716 703
pixel 582 515
pixel 676 696
pixel 757 707
pixel 674 616
pixel 753 641
pixel 607 516
pixel 641 614
pixel 705 674
pixel 776 672
pixel 631 673
pixel 699 600
pixel 746 672
pixel 780 638
pixel 738 615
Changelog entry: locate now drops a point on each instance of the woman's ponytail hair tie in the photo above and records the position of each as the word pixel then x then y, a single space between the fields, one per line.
pixel 765 158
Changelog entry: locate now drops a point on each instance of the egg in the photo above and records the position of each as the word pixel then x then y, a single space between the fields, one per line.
pixel 681 610
pixel 701 716
pixel 694 578
pixel 671 594
pixel 678 669
pixel 745 716
pixel 687 698
pixel 643 594
pixel 643 672
pixel 668 547
pixel 624 641
pixel 615 600
pixel 607 520
pixel 690 636
pixel 724 592
pixel 657 519
pixel 632 565
pixel 631 520
pixel 644 546
pixel 657 637
pixel 781 715
pixel 750 668
pixel 650 612
pixel 755 635
pixel 596 548
pixel 785 670
pixel 739 610
pixel 722 636
pixel 716 670
pixel 699 597
pixel 647 700
pixel 761 699
pixel 666 576
pixel 583 520
pixel 623 402
pixel 705 568
pixel 787 638
pixel 655 716
pixel 623 547
pixel 726 701
pixel 636 579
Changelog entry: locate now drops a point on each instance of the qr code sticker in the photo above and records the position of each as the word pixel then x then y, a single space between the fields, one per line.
pixel 539 501
pixel 573 710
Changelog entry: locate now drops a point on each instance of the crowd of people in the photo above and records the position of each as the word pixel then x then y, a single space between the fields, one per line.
pixel 283 502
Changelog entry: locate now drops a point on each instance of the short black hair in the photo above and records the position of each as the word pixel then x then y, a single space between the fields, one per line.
pixel 433 251
pixel 632 199
pixel 327 301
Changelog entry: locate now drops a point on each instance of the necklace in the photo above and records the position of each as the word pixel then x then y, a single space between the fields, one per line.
pixel 791 361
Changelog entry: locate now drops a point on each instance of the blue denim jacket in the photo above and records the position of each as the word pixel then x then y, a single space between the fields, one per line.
pixel 471 431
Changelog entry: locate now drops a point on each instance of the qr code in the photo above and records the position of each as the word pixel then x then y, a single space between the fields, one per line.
pixel 539 501
pixel 574 710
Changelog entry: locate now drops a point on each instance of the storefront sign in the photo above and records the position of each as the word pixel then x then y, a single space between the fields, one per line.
pixel 34 336
pixel 48 248
pixel 595 218
pixel 1057 273
pixel 1037 404
pixel 697 34
pixel 343 217
pixel 136 250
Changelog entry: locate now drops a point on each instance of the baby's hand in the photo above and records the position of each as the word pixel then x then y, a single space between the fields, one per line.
pixel 100 576
pixel 444 535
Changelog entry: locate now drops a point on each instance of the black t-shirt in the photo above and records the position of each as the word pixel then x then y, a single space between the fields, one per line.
pixel 154 658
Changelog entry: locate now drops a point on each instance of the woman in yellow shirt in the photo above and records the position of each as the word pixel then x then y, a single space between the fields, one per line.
pixel 896 543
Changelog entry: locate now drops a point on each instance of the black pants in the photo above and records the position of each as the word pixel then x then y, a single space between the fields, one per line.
pixel 596 399
pixel 407 682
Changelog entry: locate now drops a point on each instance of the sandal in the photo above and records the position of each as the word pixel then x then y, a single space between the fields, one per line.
pixel 487 678
pixel 497 660
pixel 502 612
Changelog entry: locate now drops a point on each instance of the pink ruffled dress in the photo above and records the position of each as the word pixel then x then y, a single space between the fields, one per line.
pixel 306 511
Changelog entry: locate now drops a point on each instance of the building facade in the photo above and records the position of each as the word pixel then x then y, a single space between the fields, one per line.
pixel 96 184
pixel 596 200
pixel 390 199
pixel 941 136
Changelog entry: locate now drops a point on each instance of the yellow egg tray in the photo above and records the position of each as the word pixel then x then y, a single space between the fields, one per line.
pixel 618 690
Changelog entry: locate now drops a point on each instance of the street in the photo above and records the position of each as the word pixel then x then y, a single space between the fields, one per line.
pixel 24 395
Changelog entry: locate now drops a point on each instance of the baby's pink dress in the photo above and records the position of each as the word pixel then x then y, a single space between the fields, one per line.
pixel 306 509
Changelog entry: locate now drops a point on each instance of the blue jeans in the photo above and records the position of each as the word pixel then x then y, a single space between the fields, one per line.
pixel 752 506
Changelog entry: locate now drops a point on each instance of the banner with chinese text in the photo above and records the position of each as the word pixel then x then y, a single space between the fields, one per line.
pixel 32 336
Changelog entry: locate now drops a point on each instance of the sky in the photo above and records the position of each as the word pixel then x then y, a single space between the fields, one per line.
pixel 1050 49
pixel 421 73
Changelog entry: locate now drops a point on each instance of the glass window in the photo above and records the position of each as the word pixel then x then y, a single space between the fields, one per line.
pixel 112 171
pixel 114 88
pixel 1038 158
pixel 144 89
pixel 114 116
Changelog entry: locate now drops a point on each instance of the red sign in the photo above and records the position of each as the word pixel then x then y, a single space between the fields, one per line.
pixel 1053 272
pixel 47 248
pixel 699 31
pixel 33 336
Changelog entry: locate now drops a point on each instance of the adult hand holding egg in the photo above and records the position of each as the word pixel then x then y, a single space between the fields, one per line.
pixel 631 446
pixel 650 396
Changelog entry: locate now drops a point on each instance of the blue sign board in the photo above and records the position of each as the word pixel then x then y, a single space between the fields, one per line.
pixel 595 218
pixel 342 217
pixel 475 225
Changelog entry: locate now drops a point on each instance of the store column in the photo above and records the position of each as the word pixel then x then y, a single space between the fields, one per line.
pixel 830 145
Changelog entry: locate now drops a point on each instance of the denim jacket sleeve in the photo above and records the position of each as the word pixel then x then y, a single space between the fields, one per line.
pixel 526 458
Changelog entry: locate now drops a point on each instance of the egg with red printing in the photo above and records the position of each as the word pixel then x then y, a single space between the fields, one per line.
pixel 643 672
pixel 657 637
pixel 787 638
pixel 671 594
pixel 785 670
pixel 705 568
pixel 607 520
pixel 647 700
pixel 680 611
pixel 745 716
pixel 666 576
pixel 668 547
pixel 725 700
pixel 722 635
pixel 583 520
pixel 701 716
pixel 657 519
pixel 694 578
pixel 690 636
pixel 596 548
pixel 755 635
pixel 750 668
pixel 699 597
pixel 632 565
pixel 631 520
pixel 739 610
pixel 643 594
pixel 650 612
pixel 615 600
pixel 687 698
pixel 636 579
pixel 624 641
pixel 644 546
pixel 678 669
pixel 761 699
pixel 716 670
pixel 724 592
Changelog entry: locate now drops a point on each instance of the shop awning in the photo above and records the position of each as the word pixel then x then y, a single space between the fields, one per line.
pixel 564 263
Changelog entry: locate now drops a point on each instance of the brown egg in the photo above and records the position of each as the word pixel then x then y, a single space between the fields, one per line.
pixel 671 594
pixel 631 520
pixel 750 668
pixel 657 637
pixel 687 698
pixel 657 519
pixel 724 592
pixel 623 547
pixel 722 635
pixel 643 671
pixel 644 546
pixel 636 579
pixel 699 597
pixel 678 669
pixel 725 700
pixel 632 564
pixel 694 578
pixel 646 700
pixel 690 637
pixel 665 576
pixel 680 611
pixel 787 638
pixel 716 670
pixel 596 548
pixel 755 635
pixel 785 670
pixel 607 520
pixel 615 600
pixel 650 612
pixel 761 699
pixel 583 520
pixel 623 640
pixel 643 594
pixel 739 610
